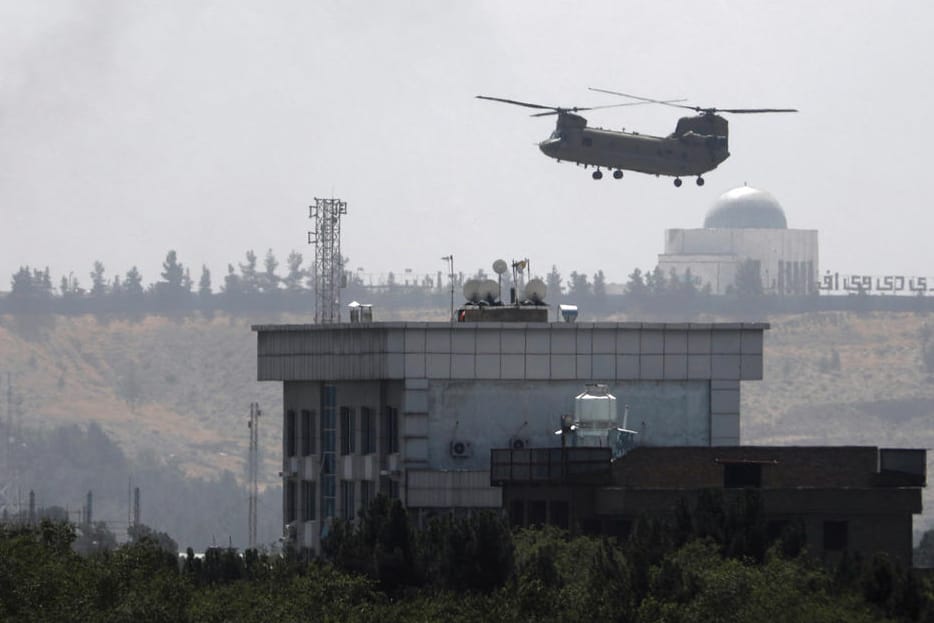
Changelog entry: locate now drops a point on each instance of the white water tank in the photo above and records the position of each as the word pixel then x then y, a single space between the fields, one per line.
pixel 595 407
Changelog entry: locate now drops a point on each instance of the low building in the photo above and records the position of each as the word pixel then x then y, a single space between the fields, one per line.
pixel 848 499
pixel 413 409
pixel 745 225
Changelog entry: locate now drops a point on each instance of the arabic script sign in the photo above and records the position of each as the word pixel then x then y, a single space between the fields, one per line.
pixel 870 284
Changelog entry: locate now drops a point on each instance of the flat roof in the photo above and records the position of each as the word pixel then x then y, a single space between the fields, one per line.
pixel 488 326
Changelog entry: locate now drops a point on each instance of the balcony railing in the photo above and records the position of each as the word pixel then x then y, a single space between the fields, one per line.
pixel 550 465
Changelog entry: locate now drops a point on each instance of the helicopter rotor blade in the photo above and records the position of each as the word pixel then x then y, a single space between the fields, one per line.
pixel 647 100
pixel 555 111
pixel 517 103
pixel 752 110
pixel 699 109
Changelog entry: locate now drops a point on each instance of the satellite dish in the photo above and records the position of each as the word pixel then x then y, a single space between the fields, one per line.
pixel 500 266
pixel 472 290
pixel 535 291
pixel 489 290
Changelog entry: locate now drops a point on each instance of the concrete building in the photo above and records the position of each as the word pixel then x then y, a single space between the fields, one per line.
pixel 745 225
pixel 848 500
pixel 413 409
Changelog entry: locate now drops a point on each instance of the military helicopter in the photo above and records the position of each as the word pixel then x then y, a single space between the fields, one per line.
pixel 698 144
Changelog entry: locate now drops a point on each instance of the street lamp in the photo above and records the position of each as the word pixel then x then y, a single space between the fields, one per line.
pixel 450 260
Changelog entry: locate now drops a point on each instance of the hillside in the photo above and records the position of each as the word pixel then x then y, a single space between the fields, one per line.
pixel 180 388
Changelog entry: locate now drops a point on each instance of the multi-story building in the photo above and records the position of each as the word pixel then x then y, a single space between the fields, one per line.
pixel 413 409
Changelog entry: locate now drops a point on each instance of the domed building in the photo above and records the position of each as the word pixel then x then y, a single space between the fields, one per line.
pixel 745 225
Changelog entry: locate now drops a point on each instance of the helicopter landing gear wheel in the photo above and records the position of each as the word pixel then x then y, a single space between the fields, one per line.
pixel 700 181
pixel 598 174
pixel 617 174
pixel 677 182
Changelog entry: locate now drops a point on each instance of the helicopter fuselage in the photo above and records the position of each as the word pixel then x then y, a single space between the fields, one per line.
pixel 699 144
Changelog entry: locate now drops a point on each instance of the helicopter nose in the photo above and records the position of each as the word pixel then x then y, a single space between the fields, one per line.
pixel 550 146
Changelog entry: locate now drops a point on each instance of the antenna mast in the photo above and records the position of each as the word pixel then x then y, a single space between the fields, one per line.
pixel 254 470
pixel 328 260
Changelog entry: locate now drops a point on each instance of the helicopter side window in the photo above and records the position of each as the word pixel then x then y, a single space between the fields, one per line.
pixel 587 141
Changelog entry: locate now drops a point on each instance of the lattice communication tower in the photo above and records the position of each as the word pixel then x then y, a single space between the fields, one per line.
pixel 329 267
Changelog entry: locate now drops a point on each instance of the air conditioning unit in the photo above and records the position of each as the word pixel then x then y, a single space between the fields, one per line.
pixel 461 449
pixel 519 443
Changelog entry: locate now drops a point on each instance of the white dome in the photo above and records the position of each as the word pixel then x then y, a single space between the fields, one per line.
pixel 746 208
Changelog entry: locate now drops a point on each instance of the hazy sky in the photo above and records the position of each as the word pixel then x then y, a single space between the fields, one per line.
pixel 208 127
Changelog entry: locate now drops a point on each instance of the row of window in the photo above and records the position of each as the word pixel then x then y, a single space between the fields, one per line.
pixel 303 496
pixel 303 422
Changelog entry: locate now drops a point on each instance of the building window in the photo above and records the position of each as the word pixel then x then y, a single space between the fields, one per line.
pixel 290 433
pixel 348 431
pixel 308 432
pixel 835 536
pixel 348 509
pixel 738 475
pixel 367 430
pixel 309 500
pixel 290 493
pixel 390 430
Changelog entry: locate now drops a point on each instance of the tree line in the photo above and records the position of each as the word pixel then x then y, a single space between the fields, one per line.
pixel 255 285
pixel 710 563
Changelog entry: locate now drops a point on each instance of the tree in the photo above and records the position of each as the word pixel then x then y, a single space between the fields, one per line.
pixel 204 283
pixel 269 280
pixel 599 286
pixel 98 281
pixel 249 278
pixel 655 282
pixel 636 287
pixel 173 273
pixel 553 282
pixel 296 275
pixel 748 280
pixel 174 291
pixel 30 289
pixel 133 292
pixel 579 286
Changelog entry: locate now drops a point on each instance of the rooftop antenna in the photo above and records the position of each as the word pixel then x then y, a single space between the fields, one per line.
pixel 328 268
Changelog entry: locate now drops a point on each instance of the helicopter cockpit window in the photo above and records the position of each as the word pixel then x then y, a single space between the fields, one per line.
pixel 558 135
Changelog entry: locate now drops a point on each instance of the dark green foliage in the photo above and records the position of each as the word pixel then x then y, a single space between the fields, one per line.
pixel 475 553
pixel 554 578
pixel 381 546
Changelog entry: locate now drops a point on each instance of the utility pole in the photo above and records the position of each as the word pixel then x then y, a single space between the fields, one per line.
pixel 254 471
pixel 450 260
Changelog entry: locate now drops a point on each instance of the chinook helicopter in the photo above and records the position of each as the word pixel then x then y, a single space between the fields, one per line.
pixel 698 145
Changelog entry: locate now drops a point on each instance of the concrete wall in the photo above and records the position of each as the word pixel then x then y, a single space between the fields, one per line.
pixel 490 414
